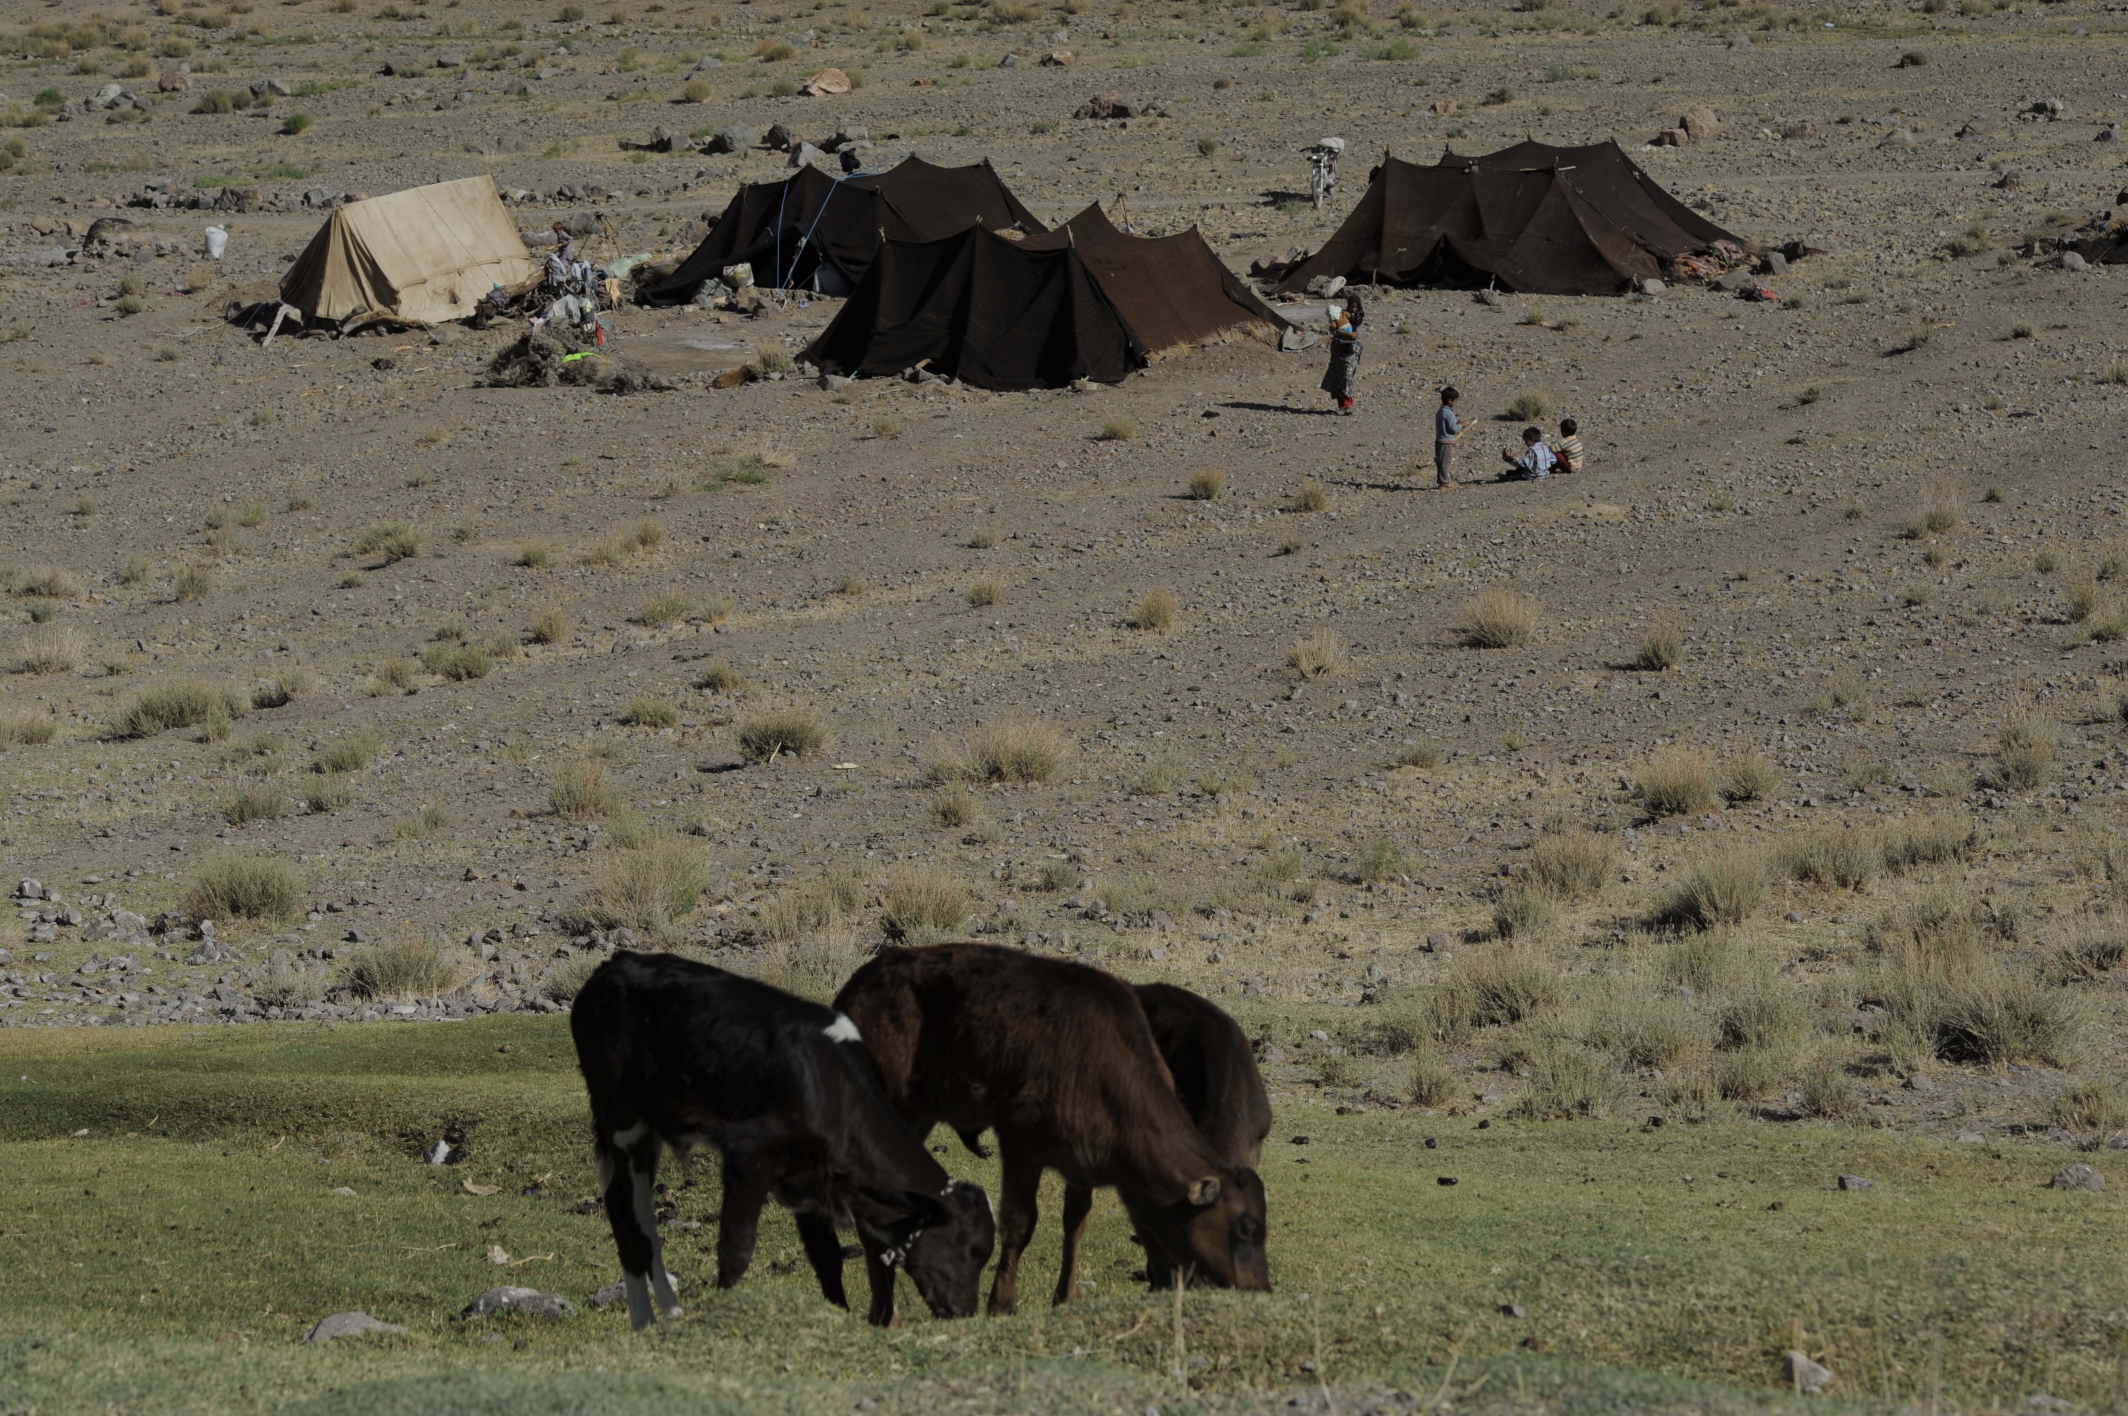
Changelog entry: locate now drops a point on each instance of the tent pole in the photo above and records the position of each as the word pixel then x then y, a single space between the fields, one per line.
pixel 280 313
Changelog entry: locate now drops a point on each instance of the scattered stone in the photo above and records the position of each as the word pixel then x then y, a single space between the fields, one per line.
pixel 1103 106
pixel 1700 124
pixel 1774 263
pixel 1805 1375
pixel 355 1324
pixel 778 138
pixel 826 83
pixel 2107 134
pixel 1671 137
pixel 1444 108
pixel 1735 280
pixel 1855 1182
pixel 438 1154
pixel 1970 1138
pixel 804 155
pixel 510 1299
pixel 175 80
pixel 345 1192
pixel 1059 59
pixel 268 88
pixel 2077 1177
pixel 111 97
pixel 2070 260
pixel 2045 110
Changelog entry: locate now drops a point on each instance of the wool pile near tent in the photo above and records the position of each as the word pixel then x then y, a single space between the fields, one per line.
pixel 1086 301
pixel 1531 217
pixel 424 255
pixel 813 231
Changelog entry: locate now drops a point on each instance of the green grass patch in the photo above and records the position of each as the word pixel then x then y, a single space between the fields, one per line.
pixel 177 1187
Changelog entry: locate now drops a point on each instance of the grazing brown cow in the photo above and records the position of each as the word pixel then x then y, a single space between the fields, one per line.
pixel 1216 1077
pixel 1059 1060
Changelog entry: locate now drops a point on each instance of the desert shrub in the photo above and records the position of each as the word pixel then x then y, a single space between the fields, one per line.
pixel 295 125
pixel 1529 405
pixel 258 802
pixel 1206 484
pixel 799 732
pixel 886 425
pixel 349 754
pixel 222 101
pixel 650 713
pixel 664 609
pixel 1317 655
pixel 536 555
pixel 2024 752
pixel 2091 1107
pixel 1055 875
pixel 580 792
pixel 565 979
pixel 2087 949
pixel 184 704
pixel 1722 889
pixel 1661 647
pixel 326 794
pixel 1702 960
pixel 1762 1016
pixel 284 983
pixel 422 824
pixel 1500 619
pixel 1844 856
pixel 1571 864
pixel 246 888
pixel 720 677
pixel 1379 861
pixel 695 91
pixel 919 903
pixel 1430 1080
pixel 649 885
pixel 1749 1073
pixel 851 585
pixel 1310 497
pixel 389 541
pixel 27 731
pixel 394 676
pixel 984 593
pixel 1156 612
pixel 1749 776
pixel 1490 990
pixel 1645 1033
pixel 824 902
pixel 955 806
pixel 283 689
pixel 2082 599
pixel 549 626
pixel 46 582
pixel 1568 1081
pixel 1120 428
pixel 1927 840
pixel 1676 781
pixel 49 651
pixel 1522 909
pixel 1827 1092
pixel 1996 1017
pixel 407 968
pixel 1423 753
pixel 1017 750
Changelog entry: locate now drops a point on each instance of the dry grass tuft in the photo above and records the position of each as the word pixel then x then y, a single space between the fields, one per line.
pixel 920 903
pixel 1156 612
pixel 1750 776
pixel 2025 746
pixel 1309 498
pixel 407 968
pixel 649 712
pixel 1206 484
pixel 1571 865
pixel 1500 619
pixel 1662 647
pixel 244 888
pixel 1676 781
pixel 1317 655
pixel 1723 889
pixel 185 704
pixel 655 881
pixel 795 732
pixel 580 792
pixel 1017 750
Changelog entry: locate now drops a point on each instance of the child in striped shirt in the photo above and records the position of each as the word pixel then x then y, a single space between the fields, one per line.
pixel 1568 448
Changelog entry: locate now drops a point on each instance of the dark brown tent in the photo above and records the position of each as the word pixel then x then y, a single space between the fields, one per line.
pixel 819 232
pixel 1532 217
pixel 1084 301
pixel 1172 290
pixel 981 308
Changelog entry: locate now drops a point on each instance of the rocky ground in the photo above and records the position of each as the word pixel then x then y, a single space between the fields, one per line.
pixel 1881 513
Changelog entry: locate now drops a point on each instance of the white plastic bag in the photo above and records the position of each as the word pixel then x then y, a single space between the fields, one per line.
pixel 217 242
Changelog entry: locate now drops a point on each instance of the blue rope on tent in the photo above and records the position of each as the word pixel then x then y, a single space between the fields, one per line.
pixel 776 283
pixel 834 186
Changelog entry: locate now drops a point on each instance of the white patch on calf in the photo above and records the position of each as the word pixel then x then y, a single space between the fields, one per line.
pixel 842 1030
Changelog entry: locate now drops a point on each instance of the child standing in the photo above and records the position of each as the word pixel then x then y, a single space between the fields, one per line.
pixel 1341 379
pixel 1447 427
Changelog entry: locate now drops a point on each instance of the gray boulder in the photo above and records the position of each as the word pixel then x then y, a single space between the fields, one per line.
pixel 734 138
pixel 268 88
pixel 804 155
pixel 355 1324
pixel 2077 1177
pixel 1805 1375
pixel 509 1299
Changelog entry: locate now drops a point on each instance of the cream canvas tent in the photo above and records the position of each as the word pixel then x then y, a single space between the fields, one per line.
pixel 426 254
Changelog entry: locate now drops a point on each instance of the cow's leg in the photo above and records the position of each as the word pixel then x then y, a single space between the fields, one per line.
pixel 622 1177
pixel 881 1274
pixel 745 1192
pixel 1159 1273
pixel 1017 1212
pixel 1078 1203
pixel 823 1249
pixel 643 1175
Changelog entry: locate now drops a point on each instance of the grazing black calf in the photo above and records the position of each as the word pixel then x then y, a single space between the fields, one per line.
pixel 678 1053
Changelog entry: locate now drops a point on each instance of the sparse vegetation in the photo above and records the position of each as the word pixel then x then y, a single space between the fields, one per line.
pixel 789 732
pixel 419 967
pixel 1311 497
pixel 245 888
pixel 389 541
pixel 1206 484
pixel 183 704
pixel 1676 781
pixel 1662 647
pixel 1016 750
pixel 1156 612
pixel 1500 619
pixel 646 712
pixel 649 885
pixel 580 792
pixel 920 904
pixel 1724 889
pixel 1317 655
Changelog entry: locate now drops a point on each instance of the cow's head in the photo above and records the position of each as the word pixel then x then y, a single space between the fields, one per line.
pixel 945 1253
pixel 1213 1232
